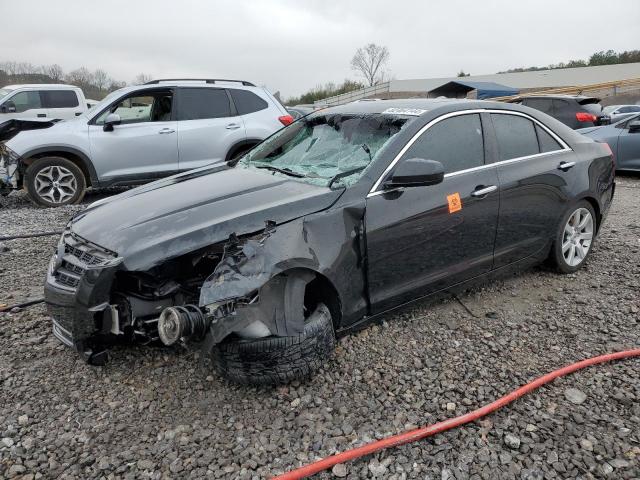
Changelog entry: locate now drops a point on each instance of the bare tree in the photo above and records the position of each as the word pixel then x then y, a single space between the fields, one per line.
pixel 101 79
pixel 80 77
pixel 142 78
pixel 54 72
pixel 369 61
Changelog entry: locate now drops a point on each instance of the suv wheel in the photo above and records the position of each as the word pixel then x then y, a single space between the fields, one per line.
pixel 55 181
pixel 278 360
pixel 574 238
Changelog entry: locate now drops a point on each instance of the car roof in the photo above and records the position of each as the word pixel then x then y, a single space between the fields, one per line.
pixel 565 97
pixel 61 86
pixel 427 104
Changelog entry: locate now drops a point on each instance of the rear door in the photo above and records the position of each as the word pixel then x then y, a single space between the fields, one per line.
pixel 61 104
pixel 536 172
pixel 208 126
pixel 423 239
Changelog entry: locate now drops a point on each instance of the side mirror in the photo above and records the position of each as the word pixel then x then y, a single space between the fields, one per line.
pixel 416 172
pixel 9 107
pixel 111 120
pixel 634 127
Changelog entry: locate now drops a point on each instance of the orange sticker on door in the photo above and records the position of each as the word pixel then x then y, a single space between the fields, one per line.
pixel 454 201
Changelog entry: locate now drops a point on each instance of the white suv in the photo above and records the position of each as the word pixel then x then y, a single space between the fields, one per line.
pixel 138 134
pixel 41 101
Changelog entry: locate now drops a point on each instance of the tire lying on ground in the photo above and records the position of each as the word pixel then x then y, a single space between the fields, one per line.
pixel 54 181
pixel 278 360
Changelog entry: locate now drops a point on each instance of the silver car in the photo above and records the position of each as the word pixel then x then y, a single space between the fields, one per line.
pixel 137 134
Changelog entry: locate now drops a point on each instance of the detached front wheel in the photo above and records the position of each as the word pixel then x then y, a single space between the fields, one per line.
pixel 55 181
pixel 278 360
pixel 574 238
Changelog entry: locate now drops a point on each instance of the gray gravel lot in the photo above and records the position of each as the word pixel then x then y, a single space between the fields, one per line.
pixel 157 413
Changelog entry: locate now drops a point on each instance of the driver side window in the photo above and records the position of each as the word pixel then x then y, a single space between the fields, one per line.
pixel 153 107
pixel 24 101
pixel 455 142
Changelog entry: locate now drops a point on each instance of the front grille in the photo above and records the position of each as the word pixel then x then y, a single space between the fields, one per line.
pixel 78 254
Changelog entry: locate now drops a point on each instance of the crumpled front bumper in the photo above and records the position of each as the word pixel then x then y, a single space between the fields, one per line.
pixel 9 174
pixel 77 293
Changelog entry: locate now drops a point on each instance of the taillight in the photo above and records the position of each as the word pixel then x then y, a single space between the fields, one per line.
pixel 586 117
pixel 286 120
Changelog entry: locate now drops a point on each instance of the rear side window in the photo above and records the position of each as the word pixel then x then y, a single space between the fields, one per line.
pixel 629 109
pixel 456 142
pixel 562 106
pixel 247 102
pixel 24 101
pixel 201 103
pixel 543 104
pixel 546 141
pixel 59 99
pixel 516 136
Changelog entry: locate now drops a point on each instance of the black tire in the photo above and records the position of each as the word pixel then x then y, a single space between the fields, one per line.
pixel 40 165
pixel 556 257
pixel 278 360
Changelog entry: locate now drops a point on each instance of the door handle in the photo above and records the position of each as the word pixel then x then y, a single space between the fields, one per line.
pixel 233 126
pixel 166 130
pixel 482 191
pixel 41 115
pixel 564 166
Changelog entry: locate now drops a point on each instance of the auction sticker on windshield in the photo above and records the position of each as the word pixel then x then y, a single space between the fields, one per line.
pixel 404 111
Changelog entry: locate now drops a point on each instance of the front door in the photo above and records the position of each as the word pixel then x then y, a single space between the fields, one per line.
pixel 144 145
pixel 25 104
pixel 424 239
pixel 628 155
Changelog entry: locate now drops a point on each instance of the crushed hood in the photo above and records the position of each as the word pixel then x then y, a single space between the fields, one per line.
pixel 180 214
pixel 10 128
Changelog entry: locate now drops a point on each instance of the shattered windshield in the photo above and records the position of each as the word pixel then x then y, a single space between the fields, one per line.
pixel 4 92
pixel 325 149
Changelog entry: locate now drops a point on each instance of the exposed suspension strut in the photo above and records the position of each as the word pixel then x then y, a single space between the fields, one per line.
pixel 182 322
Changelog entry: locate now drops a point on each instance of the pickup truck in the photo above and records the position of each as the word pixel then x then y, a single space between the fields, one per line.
pixel 51 101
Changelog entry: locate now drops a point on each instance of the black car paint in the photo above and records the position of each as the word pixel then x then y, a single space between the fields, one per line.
pixel 376 252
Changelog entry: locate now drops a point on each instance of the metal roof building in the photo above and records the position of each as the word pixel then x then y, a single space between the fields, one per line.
pixel 522 81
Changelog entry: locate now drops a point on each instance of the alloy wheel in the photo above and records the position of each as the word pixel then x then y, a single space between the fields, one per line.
pixel 577 237
pixel 56 184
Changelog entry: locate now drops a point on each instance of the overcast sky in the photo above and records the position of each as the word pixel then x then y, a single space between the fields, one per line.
pixel 294 45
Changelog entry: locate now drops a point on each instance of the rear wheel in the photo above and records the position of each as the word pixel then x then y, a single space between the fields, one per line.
pixel 55 181
pixel 574 238
pixel 278 360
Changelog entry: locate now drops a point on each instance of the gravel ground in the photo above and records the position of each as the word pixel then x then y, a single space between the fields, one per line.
pixel 157 413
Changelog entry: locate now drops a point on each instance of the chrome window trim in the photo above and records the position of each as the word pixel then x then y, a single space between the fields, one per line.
pixel 374 190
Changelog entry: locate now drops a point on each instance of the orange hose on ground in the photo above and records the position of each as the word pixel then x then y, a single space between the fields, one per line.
pixel 420 433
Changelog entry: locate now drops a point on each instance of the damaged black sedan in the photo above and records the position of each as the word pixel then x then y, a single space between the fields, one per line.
pixel 328 224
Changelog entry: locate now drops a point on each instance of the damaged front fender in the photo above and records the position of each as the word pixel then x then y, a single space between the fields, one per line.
pixel 270 271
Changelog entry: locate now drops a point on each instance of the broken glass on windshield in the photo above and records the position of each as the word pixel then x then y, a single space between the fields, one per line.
pixel 325 147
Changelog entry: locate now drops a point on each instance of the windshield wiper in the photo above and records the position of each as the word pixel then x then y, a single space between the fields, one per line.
pixel 366 148
pixel 344 174
pixel 286 171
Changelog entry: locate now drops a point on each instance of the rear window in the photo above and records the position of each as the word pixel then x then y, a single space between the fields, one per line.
pixel 59 99
pixel 547 142
pixel 543 104
pixel 516 136
pixel 247 102
pixel 201 103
